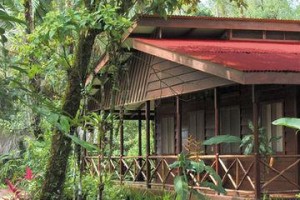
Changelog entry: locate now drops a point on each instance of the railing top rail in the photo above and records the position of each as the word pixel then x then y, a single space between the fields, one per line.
pixel 286 156
pixel 193 156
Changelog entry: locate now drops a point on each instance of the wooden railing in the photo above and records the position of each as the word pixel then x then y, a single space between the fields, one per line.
pixel 236 171
pixel 281 174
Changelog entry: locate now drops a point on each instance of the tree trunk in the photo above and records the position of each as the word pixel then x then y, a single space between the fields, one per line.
pixel 35 81
pixel 61 145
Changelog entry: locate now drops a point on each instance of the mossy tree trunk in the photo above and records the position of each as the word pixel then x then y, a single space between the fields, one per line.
pixel 61 145
pixel 35 81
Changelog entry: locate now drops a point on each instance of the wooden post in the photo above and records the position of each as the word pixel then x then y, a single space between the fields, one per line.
pixel 140 177
pixel 178 126
pixel 140 134
pixel 148 170
pixel 121 144
pixel 256 144
pixel 217 128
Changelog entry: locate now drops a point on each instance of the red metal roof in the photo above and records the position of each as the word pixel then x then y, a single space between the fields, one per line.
pixel 241 55
pixel 175 17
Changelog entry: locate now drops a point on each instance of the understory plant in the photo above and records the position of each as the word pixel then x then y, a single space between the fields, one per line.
pixel 185 165
pixel 191 163
pixel 265 143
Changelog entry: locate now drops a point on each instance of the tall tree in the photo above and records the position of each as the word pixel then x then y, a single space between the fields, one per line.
pixel 61 44
pixel 111 20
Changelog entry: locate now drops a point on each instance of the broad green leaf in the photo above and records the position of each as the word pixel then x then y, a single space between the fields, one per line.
pixel 198 166
pixel 84 144
pixel 4 39
pixel 217 178
pixel 175 164
pixel 288 122
pixel 249 149
pixel 222 139
pixel 2 31
pixel 5 17
pixel 18 69
pixel 53 118
pixel 64 124
pixel 274 139
pixel 181 188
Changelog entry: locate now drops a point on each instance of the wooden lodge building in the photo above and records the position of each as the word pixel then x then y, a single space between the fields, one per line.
pixel 204 76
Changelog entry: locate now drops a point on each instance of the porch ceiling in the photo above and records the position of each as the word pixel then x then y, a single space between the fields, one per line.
pixel 239 61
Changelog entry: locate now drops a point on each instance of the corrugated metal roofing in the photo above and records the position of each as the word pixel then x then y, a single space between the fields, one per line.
pixel 174 17
pixel 246 56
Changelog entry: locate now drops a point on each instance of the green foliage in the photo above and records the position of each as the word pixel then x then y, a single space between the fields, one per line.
pixel 131 138
pixel 186 164
pixel 88 146
pixel 181 187
pixel 6 17
pixel 13 165
pixel 271 9
pixel 288 122
pixel 118 192
pixel 90 186
pixel 265 143
pixel 227 139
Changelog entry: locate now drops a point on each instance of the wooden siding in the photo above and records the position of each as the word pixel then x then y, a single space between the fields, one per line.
pixel 167 79
pixel 149 78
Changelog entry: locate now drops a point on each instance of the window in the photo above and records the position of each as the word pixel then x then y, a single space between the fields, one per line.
pixel 271 112
pixel 230 125
pixel 196 128
pixel 167 135
pixel 196 124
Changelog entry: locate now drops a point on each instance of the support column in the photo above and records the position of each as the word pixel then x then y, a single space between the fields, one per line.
pixel 148 170
pixel 256 144
pixel 140 176
pixel 121 144
pixel 178 126
pixel 217 127
pixel 140 133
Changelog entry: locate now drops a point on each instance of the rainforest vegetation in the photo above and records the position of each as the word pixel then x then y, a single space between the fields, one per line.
pixel 48 50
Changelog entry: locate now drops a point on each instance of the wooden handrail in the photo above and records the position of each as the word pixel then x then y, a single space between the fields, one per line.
pixel 237 170
pixel 198 156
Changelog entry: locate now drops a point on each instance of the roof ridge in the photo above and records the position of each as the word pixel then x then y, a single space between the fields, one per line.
pixel 224 18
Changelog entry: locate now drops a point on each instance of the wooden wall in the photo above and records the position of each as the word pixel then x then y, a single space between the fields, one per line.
pixel 149 78
pixel 237 95
pixel 240 96
pixel 168 79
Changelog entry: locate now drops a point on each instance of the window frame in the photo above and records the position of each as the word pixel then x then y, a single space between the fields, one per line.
pixel 270 102
pixel 229 107
pixel 172 135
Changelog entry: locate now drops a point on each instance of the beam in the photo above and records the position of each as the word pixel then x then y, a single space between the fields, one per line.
pixel 219 23
pixel 272 78
pixel 195 63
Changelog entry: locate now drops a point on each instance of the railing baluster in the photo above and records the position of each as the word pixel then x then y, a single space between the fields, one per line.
pixel 161 174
